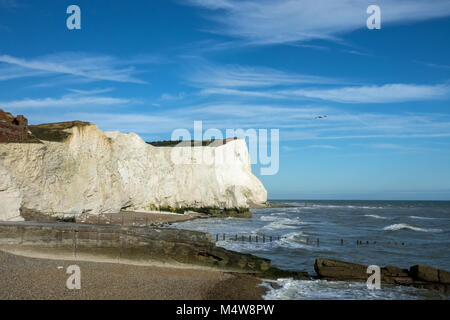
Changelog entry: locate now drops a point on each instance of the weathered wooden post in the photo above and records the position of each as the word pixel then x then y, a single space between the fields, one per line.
pixel 249 238
pixel 256 239
pixel 318 242
pixel 224 237
pixel 120 249
pixel 217 237
pixel 75 240
pixel 342 242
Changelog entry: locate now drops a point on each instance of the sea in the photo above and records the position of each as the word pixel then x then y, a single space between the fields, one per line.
pixel 382 233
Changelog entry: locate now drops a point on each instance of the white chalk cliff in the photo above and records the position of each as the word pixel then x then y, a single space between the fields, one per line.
pixel 96 172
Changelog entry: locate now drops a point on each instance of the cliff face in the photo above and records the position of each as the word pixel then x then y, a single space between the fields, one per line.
pixel 75 168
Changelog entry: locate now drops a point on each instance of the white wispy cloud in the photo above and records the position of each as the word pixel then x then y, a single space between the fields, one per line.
pixel 172 97
pixel 434 65
pixel 322 146
pixel 91 92
pixel 14 72
pixel 233 76
pixel 386 146
pixel 356 52
pixel 132 122
pixel 284 21
pixel 213 4
pixel 299 123
pixel 388 93
pixel 240 93
pixel 261 82
pixel 288 149
pixel 263 114
pixel 8 4
pixel 65 101
pixel 296 123
pixel 80 65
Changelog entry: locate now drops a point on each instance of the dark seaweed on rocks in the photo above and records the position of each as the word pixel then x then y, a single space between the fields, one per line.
pixel 212 211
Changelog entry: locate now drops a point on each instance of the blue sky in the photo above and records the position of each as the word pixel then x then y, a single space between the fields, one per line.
pixel 154 66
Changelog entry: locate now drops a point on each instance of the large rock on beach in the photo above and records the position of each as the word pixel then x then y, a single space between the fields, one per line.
pixel 417 276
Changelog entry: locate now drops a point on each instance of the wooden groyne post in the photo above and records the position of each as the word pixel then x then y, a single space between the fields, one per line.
pixel 75 242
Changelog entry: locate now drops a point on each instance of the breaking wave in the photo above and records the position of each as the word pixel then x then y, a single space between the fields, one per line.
pixel 374 216
pixel 404 226
pixel 324 290
pixel 334 206
pixel 284 223
pixel 422 218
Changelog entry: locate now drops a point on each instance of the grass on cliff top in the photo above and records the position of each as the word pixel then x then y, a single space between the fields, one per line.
pixel 55 132
pixel 191 143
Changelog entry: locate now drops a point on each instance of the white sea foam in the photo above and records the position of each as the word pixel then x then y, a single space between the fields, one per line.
pixel 374 216
pixel 323 206
pixel 298 240
pixel 296 236
pixel 364 207
pixel 323 290
pixel 247 246
pixel 293 240
pixel 269 218
pixel 404 226
pixel 283 223
pixel 422 218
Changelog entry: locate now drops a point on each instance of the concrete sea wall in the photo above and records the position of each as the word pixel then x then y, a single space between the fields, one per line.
pixel 129 245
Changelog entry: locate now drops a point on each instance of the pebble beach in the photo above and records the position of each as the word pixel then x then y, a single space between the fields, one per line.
pixel 23 278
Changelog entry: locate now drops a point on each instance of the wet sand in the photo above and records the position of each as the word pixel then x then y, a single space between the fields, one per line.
pixel 42 279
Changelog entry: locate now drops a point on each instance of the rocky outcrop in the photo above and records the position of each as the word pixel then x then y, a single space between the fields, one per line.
pixel 13 129
pixel 417 276
pixel 75 168
pixel 429 274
